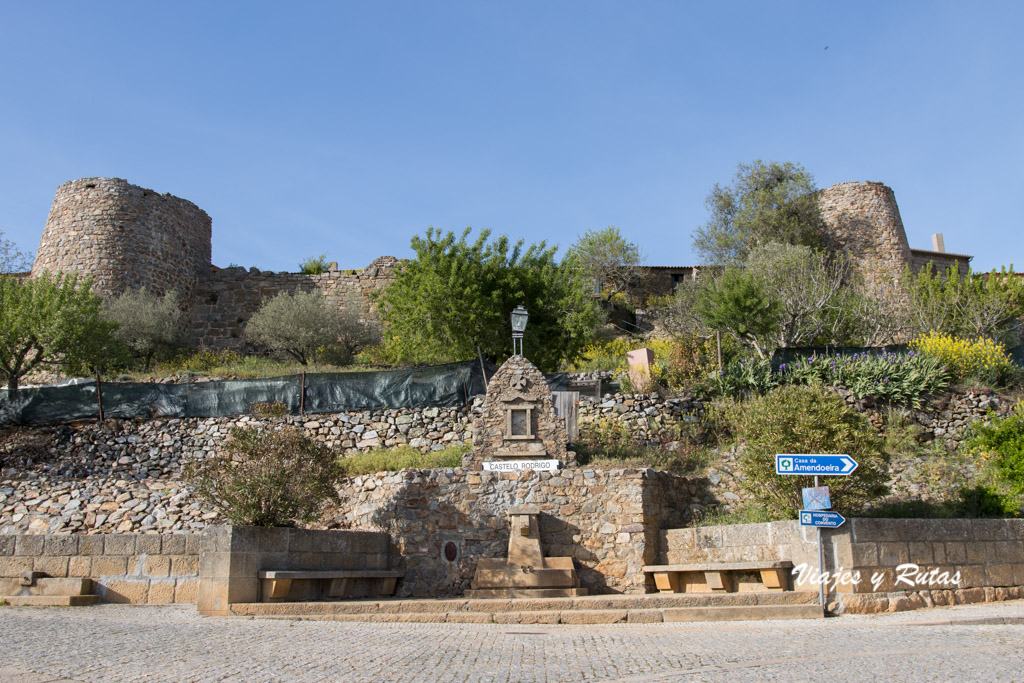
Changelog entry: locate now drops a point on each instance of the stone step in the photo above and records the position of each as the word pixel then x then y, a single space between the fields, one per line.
pixel 46 586
pixel 605 609
pixel 596 616
pixel 49 600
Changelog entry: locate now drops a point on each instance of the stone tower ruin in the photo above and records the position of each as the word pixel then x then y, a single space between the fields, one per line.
pixel 125 237
pixel 863 220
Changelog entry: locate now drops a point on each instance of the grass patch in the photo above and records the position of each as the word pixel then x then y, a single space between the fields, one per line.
pixel 402 457
pixel 230 364
pixel 746 513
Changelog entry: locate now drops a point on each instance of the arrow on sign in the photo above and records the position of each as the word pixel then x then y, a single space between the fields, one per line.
pixel 821 518
pixel 839 465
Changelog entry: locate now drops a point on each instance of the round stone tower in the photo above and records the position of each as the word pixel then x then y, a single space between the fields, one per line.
pixel 863 220
pixel 125 237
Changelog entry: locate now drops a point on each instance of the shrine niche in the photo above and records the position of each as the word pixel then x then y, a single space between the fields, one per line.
pixel 518 421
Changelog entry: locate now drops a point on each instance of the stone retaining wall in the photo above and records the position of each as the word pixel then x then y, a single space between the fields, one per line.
pixel 135 568
pixel 125 475
pixel 607 520
pixel 962 560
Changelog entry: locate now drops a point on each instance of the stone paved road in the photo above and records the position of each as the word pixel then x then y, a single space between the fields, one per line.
pixel 123 643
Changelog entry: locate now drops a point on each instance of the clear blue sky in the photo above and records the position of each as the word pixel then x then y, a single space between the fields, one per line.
pixel 346 127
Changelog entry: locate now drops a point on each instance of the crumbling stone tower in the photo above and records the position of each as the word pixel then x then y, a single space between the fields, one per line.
pixel 863 220
pixel 125 237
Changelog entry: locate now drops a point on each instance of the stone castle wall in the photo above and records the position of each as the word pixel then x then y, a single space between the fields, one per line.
pixel 226 298
pixel 125 237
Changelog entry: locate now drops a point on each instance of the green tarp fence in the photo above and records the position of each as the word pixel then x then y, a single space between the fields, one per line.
pixel 453 384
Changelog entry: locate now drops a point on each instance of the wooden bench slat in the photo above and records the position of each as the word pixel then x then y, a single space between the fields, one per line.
pixel 332 574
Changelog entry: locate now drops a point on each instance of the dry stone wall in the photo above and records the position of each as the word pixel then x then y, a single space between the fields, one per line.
pixel 125 237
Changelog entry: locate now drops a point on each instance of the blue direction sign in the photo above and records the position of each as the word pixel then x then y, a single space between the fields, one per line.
pixel 822 518
pixel 824 465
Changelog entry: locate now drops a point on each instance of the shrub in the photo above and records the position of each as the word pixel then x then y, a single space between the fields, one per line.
pixel 807 420
pixel 895 377
pixel 314 265
pixel 982 359
pixel 400 458
pixel 1000 444
pixel 607 443
pixel 270 475
pixel 306 327
pixel 147 324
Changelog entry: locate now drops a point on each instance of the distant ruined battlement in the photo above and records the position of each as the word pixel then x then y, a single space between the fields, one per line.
pixel 128 237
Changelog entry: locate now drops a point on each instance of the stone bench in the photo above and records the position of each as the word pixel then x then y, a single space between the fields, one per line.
pixel 382 581
pixel 718 576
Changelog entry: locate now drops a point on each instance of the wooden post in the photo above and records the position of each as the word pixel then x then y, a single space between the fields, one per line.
pixel 99 395
pixel 718 339
pixel 302 395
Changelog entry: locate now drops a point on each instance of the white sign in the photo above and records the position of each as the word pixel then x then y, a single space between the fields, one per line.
pixel 519 465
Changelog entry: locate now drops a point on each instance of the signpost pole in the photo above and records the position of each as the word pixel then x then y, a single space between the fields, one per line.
pixel 821 584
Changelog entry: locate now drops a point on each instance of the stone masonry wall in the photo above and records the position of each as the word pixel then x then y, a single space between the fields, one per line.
pixel 607 520
pixel 225 299
pixel 126 237
pixel 134 568
pixel 987 553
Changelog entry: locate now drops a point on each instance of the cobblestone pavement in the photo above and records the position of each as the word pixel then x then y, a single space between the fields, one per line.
pixel 172 643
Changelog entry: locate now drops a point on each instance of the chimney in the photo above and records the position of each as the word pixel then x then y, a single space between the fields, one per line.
pixel 937 243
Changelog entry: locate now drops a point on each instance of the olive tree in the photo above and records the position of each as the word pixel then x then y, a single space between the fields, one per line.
pixel 766 202
pixel 147 324
pixel 50 321
pixel 305 326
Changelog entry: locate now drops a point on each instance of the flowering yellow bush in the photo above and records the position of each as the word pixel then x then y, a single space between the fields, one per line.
pixel 980 358
pixel 611 354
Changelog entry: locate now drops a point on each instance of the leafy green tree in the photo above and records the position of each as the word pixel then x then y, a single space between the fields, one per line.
pixel 51 321
pixel 609 258
pixel 147 324
pixel 456 296
pixel 766 203
pixel 305 326
pixel 12 260
pixel 736 302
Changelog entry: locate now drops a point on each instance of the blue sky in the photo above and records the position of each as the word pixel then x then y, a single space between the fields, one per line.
pixel 346 128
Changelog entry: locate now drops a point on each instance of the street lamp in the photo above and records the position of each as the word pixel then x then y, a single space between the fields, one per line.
pixel 519 317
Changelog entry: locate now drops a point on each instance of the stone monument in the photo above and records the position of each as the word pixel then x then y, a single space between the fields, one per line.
pixel 526 573
pixel 517 428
